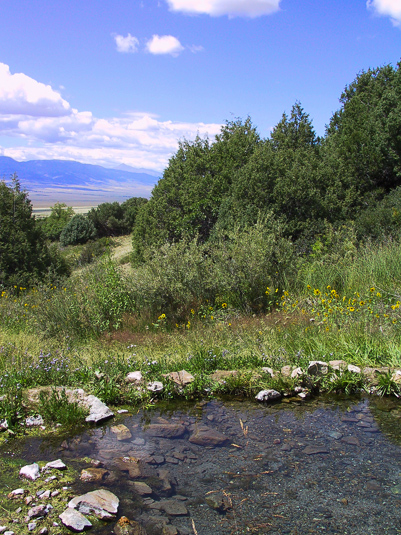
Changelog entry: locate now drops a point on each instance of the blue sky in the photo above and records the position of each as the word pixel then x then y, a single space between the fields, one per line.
pixel 121 81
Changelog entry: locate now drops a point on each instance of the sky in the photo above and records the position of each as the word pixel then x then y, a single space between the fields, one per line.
pixel 113 82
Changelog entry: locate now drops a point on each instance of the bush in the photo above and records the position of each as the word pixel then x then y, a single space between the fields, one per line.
pixel 53 225
pixel 79 230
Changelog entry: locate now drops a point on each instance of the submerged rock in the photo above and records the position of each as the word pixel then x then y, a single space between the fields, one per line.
pixel 121 431
pixel 128 527
pixel 207 436
pixel 166 430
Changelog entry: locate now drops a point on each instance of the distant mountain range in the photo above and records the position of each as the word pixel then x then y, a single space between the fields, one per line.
pixel 78 184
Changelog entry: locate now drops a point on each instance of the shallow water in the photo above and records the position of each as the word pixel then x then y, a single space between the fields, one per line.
pixel 324 466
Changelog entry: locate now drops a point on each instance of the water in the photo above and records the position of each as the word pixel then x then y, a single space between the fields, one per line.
pixel 325 466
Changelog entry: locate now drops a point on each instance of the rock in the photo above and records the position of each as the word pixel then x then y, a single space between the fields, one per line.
pixel 134 377
pixel 16 493
pixel 222 375
pixel 55 465
pixel 75 520
pixel 142 488
pixel 122 411
pixel 30 471
pixel 318 368
pixel 396 377
pixel 39 510
pixel 313 450
pixel 353 441
pixel 181 378
pixel 98 502
pixel 268 395
pixel 354 369
pixel 9 533
pixel 286 371
pixel 3 425
pixel 93 474
pixel 298 372
pixel 173 508
pixel 44 531
pixel 34 421
pixel 207 436
pixel 98 411
pixel 156 386
pixel 218 502
pixel 269 371
pixel 128 464
pixel 338 364
pixel 168 529
pixel 45 495
pixel 125 526
pixel 335 434
pixel 32 526
pixel 122 432
pixel 166 430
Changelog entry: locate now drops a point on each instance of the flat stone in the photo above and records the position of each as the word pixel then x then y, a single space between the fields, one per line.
pixel 335 434
pixel 297 372
pixel 38 510
pixel 166 430
pixel 354 369
pixel 121 431
pixel 30 471
pixel 173 508
pixel 142 488
pixel 353 441
pixel 96 501
pixel 55 465
pixel 218 501
pixel 313 450
pixel 181 378
pixel 222 375
pixel 98 411
pixel 34 421
pixel 207 436
pixel 74 520
pixel 286 371
pixel 93 474
pixel 16 493
pixel 134 377
pixel 268 395
pixel 269 371
pixel 338 364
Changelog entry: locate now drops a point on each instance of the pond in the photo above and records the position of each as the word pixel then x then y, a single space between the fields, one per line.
pixel 327 465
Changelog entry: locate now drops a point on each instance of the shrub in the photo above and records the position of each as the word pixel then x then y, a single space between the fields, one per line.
pixel 79 230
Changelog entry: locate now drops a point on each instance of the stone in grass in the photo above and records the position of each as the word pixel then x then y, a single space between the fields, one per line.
pixel 338 364
pixel 156 386
pixel 181 378
pixel 55 465
pixel 268 395
pixel 34 421
pixel 74 520
pixel 296 373
pixel 134 377
pixel 17 493
pixel 30 471
pixel 318 368
pixel 38 510
pixel 268 371
pixel 354 369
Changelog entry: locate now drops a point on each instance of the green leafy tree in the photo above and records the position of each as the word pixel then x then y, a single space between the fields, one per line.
pixel 24 255
pixel 79 230
pixel 53 225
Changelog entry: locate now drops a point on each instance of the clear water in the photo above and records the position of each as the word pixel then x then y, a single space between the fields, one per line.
pixel 325 466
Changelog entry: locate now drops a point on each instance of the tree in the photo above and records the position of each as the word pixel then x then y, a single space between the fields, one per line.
pixel 79 230
pixel 24 255
pixel 53 225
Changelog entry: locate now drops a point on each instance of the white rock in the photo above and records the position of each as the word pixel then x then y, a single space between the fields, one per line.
pixel 102 502
pixel 34 421
pixel 30 471
pixel 17 492
pixel 2 529
pixel 295 373
pixel 98 411
pixel 32 526
pixel 9 533
pixel 55 465
pixel 3 426
pixel 156 386
pixel 268 395
pixel 134 377
pixel 74 520
pixel 122 411
pixel 354 369
pixel 269 371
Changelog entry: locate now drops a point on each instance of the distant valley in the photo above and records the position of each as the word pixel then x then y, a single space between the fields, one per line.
pixel 77 184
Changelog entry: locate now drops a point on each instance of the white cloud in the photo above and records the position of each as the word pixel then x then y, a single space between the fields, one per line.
pixel 20 94
pixel 232 8
pixel 127 44
pixel 49 128
pixel 195 48
pixel 389 8
pixel 165 44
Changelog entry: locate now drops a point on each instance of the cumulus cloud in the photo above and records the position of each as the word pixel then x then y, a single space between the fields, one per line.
pixel 232 8
pixel 164 44
pixel 50 128
pixel 389 8
pixel 127 44
pixel 20 94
